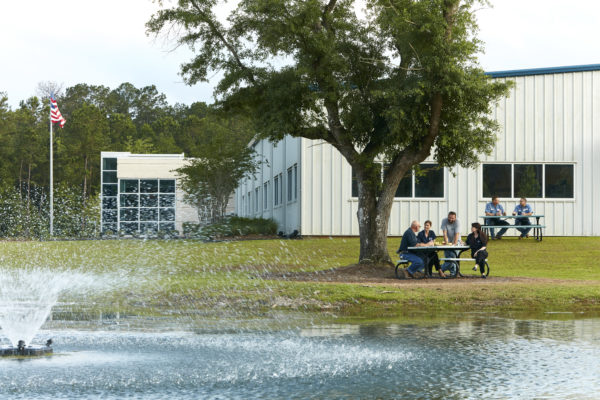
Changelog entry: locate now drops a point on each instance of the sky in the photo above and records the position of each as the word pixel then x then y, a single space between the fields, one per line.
pixel 105 43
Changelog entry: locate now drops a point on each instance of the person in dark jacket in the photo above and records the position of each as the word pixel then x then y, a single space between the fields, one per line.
pixel 409 239
pixel 428 236
pixel 477 241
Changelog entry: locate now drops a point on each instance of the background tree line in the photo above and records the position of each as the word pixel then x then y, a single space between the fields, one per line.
pixel 127 118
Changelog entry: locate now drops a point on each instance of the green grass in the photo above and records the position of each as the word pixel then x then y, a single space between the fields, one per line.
pixel 195 278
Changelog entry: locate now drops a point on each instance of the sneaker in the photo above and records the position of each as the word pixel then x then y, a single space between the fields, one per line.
pixel 483 276
pixel 408 273
pixel 475 268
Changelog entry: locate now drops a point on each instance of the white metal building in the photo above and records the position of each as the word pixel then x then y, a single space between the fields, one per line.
pixel 140 193
pixel 548 150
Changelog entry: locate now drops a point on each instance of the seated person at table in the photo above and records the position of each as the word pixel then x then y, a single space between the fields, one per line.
pixel 427 236
pixel 494 208
pixel 409 239
pixel 477 241
pixel 523 209
pixel 451 230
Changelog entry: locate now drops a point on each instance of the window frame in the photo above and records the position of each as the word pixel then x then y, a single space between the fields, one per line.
pixel 543 182
pixel 139 208
pixel 413 184
pixel 290 185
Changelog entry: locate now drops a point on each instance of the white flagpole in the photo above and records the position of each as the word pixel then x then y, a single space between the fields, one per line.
pixel 51 180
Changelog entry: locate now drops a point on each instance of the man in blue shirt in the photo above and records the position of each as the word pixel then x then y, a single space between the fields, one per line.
pixel 409 239
pixel 523 209
pixel 494 208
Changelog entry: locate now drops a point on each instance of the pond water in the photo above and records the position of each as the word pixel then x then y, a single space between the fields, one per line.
pixel 472 357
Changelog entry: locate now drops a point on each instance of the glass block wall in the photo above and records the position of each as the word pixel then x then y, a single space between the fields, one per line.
pixel 131 206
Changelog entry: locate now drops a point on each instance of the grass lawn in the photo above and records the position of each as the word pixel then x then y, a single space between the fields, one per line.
pixel 193 278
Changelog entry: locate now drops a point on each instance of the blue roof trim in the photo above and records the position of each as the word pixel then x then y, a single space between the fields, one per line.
pixel 544 71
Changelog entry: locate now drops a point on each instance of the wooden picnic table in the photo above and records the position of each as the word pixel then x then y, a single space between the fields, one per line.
pixel 537 227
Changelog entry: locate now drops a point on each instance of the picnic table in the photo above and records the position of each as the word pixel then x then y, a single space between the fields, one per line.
pixel 537 227
pixel 454 262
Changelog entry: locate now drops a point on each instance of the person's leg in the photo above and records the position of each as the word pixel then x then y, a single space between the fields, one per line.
pixel 428 261
pixel 526 221
pixel 480 260
pixel 490 221
pixel 416 263
pixel 519 221
pixel 502 222
pixel 435 260
pixel 449 254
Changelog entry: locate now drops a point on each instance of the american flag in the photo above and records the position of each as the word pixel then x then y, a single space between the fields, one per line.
pixel 55 115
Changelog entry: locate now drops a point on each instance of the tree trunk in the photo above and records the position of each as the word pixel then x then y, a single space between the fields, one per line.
pixel 372 223
pixel 82 226
pixel 28 186
pixel 21 181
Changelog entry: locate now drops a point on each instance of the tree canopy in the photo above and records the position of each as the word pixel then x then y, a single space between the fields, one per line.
pixel 380 80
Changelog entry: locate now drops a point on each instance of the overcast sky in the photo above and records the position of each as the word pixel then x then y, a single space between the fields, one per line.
pixel 104 43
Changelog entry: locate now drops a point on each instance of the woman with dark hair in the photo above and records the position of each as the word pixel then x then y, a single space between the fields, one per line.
pixel 477 241
pixel 426 236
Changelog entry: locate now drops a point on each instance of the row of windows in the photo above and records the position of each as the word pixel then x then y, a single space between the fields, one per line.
pixel 427 181
pixel 139 200
pixel 141 227
pixel 251 201
pixel 139 214
pixel 503 180
pixel 553 181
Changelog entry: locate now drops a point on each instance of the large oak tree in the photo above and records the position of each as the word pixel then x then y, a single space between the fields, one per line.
pixel 390 81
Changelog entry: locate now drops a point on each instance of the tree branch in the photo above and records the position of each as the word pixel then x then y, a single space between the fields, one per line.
pixel 215 30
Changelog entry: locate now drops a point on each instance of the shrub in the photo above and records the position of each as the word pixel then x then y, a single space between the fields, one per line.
pixel 233 226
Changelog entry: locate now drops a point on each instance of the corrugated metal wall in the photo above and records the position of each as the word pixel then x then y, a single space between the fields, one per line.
pixel 276 159
pixel 552 118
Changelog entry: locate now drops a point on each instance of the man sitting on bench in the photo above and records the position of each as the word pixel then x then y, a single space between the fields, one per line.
pixel 523 209
pixel 494 208
pixel 409 239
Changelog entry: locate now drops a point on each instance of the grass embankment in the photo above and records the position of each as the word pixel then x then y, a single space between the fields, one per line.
pixel 194 278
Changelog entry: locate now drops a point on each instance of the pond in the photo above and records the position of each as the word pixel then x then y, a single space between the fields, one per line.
pixel 458 357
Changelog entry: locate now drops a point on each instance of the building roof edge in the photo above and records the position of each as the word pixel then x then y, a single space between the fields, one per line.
pixel 543 71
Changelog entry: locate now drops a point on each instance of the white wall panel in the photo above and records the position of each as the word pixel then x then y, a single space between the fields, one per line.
pixel 552 118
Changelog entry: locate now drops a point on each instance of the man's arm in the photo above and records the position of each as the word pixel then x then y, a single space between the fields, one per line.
pixel 488 211
pixel 456 237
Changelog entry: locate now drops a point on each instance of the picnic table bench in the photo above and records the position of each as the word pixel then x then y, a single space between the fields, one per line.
pixel 537 227
pixel 454 262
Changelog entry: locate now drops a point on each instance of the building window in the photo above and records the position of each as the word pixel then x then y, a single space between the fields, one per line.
pixel 146 205
pixel 110 191
pixel 354 184
pixel 295 181
pixel 243 203
pixel 430 181
pixel 405 187
pixel 528 180
pixel 427 183
pixel 280 188
pixel 290 181
pixel 559 181
pixel 249 204
pixel 266 195
pixel 276 191
pixel 256 195
pixel 497 180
